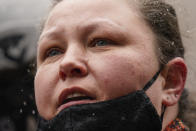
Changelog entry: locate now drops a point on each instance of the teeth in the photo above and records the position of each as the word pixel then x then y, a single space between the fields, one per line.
pixel 75 95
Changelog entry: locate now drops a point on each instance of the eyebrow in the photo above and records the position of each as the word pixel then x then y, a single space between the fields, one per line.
pixel 50 33
pixel 102 24
pixel 88 28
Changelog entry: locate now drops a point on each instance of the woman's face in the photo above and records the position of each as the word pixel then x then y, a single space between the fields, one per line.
pixel 92 51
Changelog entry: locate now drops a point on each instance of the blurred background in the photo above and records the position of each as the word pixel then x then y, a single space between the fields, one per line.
pixel 19 31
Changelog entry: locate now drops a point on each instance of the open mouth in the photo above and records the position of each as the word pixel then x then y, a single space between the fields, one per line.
pixel 76 97
pixel 69 98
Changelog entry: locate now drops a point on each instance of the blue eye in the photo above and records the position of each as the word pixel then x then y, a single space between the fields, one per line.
pixel 53 52
pixel 101 42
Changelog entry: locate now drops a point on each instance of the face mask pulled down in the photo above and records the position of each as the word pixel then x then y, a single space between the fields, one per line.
pixel 133 112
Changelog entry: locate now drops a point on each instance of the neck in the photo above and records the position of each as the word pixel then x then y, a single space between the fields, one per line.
pixel 171 113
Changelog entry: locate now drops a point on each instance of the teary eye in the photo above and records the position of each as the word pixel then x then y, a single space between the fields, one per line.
pixel 101 42
pixel 53 52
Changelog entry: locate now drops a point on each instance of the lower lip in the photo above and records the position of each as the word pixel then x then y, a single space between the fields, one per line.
pixel 75 103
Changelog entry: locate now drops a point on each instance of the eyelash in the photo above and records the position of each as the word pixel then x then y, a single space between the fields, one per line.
pixel 50 52
pixel 93 42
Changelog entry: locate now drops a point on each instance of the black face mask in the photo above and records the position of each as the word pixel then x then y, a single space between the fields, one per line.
pixel 133 112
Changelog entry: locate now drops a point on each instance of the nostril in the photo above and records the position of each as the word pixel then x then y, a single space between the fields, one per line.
pixel 72 69
pixel 76 71
pixel 62 75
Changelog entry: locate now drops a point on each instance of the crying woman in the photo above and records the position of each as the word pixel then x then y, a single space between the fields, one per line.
pixel 110 65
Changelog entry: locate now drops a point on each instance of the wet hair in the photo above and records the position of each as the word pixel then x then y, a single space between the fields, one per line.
pixel 162 19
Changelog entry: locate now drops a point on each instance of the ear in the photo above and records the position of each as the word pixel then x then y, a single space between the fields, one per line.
pixel 175 74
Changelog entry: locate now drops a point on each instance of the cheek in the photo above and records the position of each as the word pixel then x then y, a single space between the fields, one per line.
pixel 117 75
pixel 41 90
pixel 44 87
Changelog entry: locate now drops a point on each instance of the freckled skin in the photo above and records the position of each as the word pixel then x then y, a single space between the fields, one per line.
pixel 111 70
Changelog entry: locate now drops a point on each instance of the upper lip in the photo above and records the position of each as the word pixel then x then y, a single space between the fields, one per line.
pixel 68 91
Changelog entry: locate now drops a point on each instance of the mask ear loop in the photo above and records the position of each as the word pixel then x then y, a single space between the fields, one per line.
pixel 163 112
pixel 154 78
pixel 148 85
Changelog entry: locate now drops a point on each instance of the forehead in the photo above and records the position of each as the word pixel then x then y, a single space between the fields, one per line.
pixel 91 4
pixel 72 17
pixel 78 10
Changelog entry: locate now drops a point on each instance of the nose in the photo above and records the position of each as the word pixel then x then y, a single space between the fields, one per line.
pixel 73 64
